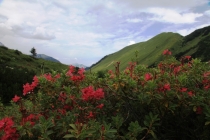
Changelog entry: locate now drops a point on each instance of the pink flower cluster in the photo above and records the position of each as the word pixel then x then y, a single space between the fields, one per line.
pixel 76 75
pixel 89 93
pixel 130 69
pixel 9 131
pixel 16 98
pixel 31 119
pixel 147 77
pixel 166 52
pixel 164 88
pixel 50 78
pixel 30 87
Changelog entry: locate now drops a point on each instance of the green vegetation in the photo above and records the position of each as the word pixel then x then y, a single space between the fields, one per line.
pixel 17 69
pixel 11 82
pixel 195 44
pixel 33 52
pixel 168 102
pixel 16 60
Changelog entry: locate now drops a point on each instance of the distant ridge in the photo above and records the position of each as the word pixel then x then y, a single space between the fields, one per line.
pixel 196 44
pixel 46 57
pixel 79 65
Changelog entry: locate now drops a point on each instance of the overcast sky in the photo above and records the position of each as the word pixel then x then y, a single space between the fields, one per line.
pixel 83 31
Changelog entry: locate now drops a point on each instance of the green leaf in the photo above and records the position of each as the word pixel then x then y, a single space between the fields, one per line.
pixel 112 131
pixel 49 132
pixel 73 126
pixel 153 134
pixel 69 136
pixel 207 123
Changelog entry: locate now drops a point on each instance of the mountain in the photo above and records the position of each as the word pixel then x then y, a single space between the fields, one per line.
pixel 79 65
pixel 43 56
pixel 196 44
pixel 17 60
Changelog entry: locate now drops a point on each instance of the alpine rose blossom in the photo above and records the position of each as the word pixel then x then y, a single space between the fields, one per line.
pixel 147 77
pixel 88 93
pixel 166 52
pixel 100 106
pixel 16 98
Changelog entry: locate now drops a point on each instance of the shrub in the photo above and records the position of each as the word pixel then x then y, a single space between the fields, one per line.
pixel 170 101
pixel 3 47
pixel 17 52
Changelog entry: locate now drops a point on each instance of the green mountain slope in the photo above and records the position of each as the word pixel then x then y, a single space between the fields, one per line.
pixel 149 52
pixel 16 60
pixel 196 44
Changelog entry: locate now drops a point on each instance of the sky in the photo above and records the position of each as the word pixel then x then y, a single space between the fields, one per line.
pixel 84 31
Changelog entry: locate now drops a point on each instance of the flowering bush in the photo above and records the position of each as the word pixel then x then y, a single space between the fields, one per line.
pixel 167 102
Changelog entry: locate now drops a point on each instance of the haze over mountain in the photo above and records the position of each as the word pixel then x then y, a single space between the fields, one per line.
pixel 90 29
pixel 79 65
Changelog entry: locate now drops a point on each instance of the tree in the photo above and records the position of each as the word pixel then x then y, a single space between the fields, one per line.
pixel 33 51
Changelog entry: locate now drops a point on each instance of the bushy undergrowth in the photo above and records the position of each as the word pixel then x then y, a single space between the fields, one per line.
pixel 170 101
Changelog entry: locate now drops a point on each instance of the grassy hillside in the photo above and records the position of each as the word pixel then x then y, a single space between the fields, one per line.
pixel 16 60
pixel 196 44
pixel 149 52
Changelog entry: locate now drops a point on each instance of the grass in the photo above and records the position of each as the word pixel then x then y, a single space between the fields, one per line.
pixel 148 52
pixel 16 59
pixel 196 44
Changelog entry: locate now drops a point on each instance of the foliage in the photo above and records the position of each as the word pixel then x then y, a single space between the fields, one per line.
pixel 11 81
pixel 17 60
pixel 18 52
pixel 33 52
pixel 148 52
pixel 195 44
pixel 170 101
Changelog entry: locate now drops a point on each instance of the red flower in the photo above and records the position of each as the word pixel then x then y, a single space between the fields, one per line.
pixel 57 76
pixel 76 77
pixel 81 71
pixel 16 98
pixel 26 88
pixel 90 115
pixel 183 89
pixel 100 106
pixel 88 93
pixel 166 86
pixel 62 97
pixel 176 70
pixel 206 74
pixel 166 52
pixel 188 57
pixel 7 125
pixel 190 93
pixel 147 77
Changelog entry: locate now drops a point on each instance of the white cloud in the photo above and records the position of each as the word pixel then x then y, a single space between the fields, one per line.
pixel 134 20
pixel 185 32
pixel 207 13
pixel 172 16
pixel 131 42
